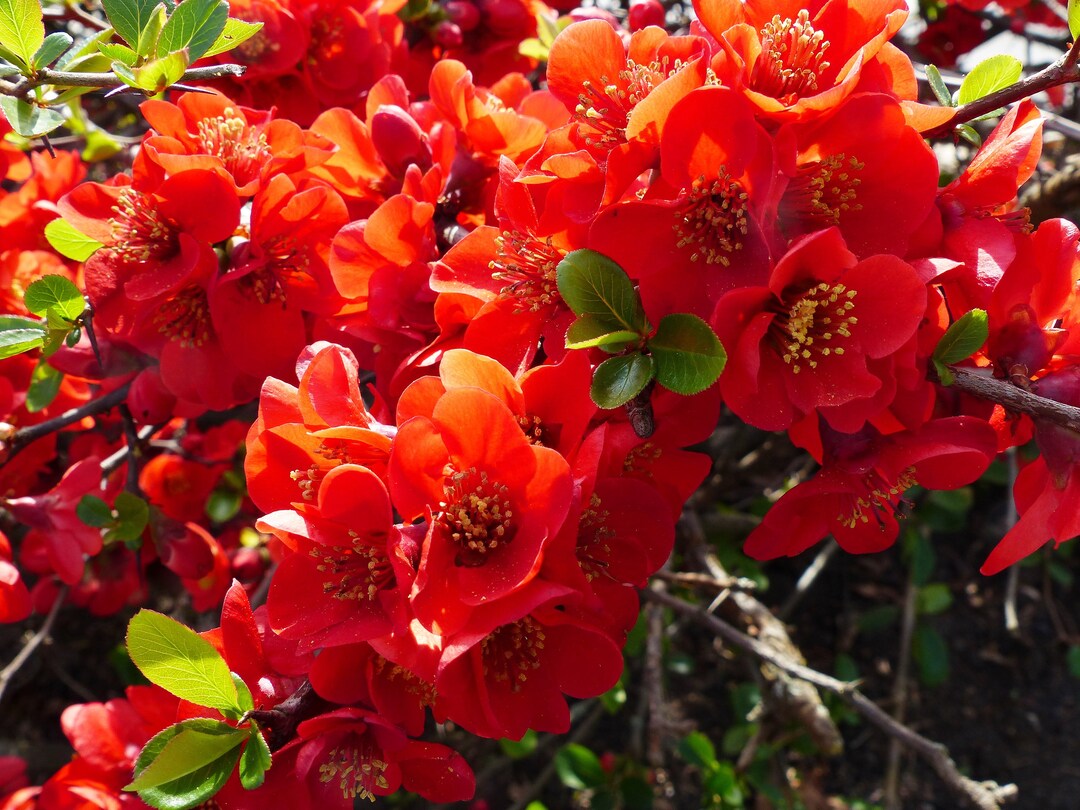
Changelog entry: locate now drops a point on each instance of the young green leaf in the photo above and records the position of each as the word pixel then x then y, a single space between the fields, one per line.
pixel 961 340
pixel 187 763
pixel 938 86
pixel 52 49
pixel 157 74
pixel 255 761
pixel 689 356
pixel 132 515
pixel 1074 18
pixel 597 330
pixel 17 341
pixel 44 386
pixel 94 512
pixel 151 31
pixel 235 32
pixel 129 17
pixel 243 694
pixel 55 293
pixel 180 661
pixel 578 767
pixel 618 380
pixel 592 284
pixel 29 120
pixel 989 76
pixel 69 242
pixel 195 25
pixel 119 53
pixel 22 29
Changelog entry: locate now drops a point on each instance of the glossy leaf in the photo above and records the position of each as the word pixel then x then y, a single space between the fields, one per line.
pixel 22 29
pixel 961 340
pixel 44 386
pixel 187 763
pixel 235 32
pixel 158 74
pixel 52 49
pixel 592 284
pixel 93 511
pixel 180 661
pixel 989 76
pixel 17 341
pixel 119 53
pixel 132 515
pixel 151 31
pixel 255 761
pixel 195 26
pixel 618 380
pixel 29 120
pixel 689 356
pixel 596 330
pixel 70 242
pixel 1074 18
pixel 938 86
pixel 578 767
pixel 55 293
pixel 129 17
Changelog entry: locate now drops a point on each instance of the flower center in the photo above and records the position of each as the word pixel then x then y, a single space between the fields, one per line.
pixel 478 514
pixel 242 149
pixel 606 108
pixel 880 494
pixel 186 317
pixel 138 230
pixel 358 770
pixel 527 266
pixel 423 691
pixel 641 459
pixel 512 652
pixel 824 190
pixel 819 319
pixel 712 219
pixel 792 59
pixel 594 540
pixel 358 572
pixel 534 430
pixel 284 261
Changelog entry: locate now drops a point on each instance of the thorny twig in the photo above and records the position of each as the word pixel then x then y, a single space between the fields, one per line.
pixel 983 795
pixel 8 672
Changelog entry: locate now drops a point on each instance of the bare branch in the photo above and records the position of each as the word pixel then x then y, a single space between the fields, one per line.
pixel 35 641
pixel 984 385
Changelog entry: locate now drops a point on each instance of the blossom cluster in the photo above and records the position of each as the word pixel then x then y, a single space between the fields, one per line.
pixel 457 530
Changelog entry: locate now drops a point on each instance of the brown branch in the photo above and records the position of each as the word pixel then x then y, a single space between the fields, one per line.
pixel 61 78
pixel 983 385
pixel 1063 71
pixel 983 795
pixel 20 438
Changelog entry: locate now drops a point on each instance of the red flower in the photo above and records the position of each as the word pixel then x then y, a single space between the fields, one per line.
pixel 809 338
pixel 494 501
pixel 857 493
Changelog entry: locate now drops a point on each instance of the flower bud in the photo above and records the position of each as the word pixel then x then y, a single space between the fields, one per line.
pixel 399 140
pixel 448 35
pixel 463 14
pixel 644 13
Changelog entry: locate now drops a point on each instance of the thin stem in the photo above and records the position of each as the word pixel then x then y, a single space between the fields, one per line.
pixel 61 78
pixel 8 672
pixel 983 795
pixel 31 433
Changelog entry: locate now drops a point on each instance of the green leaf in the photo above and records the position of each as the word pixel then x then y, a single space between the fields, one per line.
pixel 961 340
pixel 597 330
pixel 989 76
pixel 243 694
pixel 195 25
pixel 592 284
pixel 69 242
pixel 132 515
pixel 29 120
pixel 578 767
pixel 158 74
pixel 52 49
pixel 22 29
pixel 17 341
pixel 85 48
pixel 618 380
pixel 223 504
pixel 1072 660
pixel 151 31
pixel 970 134
pixel 55 293
pixel 697 749
pixel 168 773
pixel 919 555
pixel 235 32
pixel 7 69
pixel 255 761
pixel 119 53
pixel 9 322
pixel 1074 18
pixel 933 598
pixel 688 354
pixel 94 512
pixel 532 48
pixel 129 17
pixel 930 653
pixel 180 661
pixel 44 386
pixel 938 86
pixel 100 145
pixel 519 749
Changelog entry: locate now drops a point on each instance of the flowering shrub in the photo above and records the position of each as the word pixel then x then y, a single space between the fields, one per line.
pixel 488 285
